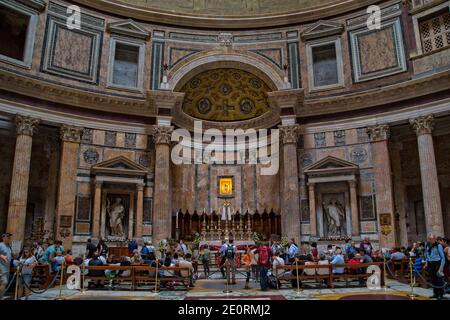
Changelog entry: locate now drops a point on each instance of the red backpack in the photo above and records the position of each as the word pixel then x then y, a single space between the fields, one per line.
pixel 263 255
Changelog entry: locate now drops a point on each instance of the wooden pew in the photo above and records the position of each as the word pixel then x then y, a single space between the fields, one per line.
pixel 351 272
pixel 289 276
pixel 104 278
pixel 330 278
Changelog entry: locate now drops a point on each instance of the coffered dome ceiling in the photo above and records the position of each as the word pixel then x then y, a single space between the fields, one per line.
pixel 228 14
pixel 225 95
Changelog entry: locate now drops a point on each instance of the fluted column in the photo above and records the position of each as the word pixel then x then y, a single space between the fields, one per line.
pixel 290 218
pixel 51 149
pixel 428 171
pixel 17 209
pixel 354 207
pixel 139 210
pixel 97 209
pixel 312 210
pixel 162 223
pixel 379 135
pixel 399 192
pixel 67 187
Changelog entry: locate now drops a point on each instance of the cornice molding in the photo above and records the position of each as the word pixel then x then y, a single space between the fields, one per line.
pixel 44 90
pixel 377 96
pixel 226 22
pixel 35 4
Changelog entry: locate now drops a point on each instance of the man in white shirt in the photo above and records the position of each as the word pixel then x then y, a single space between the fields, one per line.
pixel 182 247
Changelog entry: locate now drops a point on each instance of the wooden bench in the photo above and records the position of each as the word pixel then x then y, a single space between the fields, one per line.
pixel 357 271
pixel 119 278
pixel 139 274
pixel 350 273
pixel 290 276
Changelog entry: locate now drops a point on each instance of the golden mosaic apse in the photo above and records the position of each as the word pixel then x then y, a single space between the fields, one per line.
pixel 225 95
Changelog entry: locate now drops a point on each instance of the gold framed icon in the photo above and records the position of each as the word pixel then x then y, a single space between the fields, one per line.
pixel 226 186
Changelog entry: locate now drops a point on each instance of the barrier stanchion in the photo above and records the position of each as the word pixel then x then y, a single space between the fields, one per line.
pixel 61 282
pixel 16 293
pixel 156 278
pixel 83 270
pixel 227 290
pixel 298 280
pixel 412 295
pixel 384 273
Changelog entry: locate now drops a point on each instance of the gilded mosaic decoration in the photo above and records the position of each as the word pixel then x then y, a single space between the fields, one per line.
pixel 225 95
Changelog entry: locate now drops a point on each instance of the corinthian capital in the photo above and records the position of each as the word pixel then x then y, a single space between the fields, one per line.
pixel 422 125
pixel 70 133
pixel 378 132
pixel 289 133
pixel 26 125
pixel 162 135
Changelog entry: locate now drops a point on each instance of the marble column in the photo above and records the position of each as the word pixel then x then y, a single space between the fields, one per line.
pixel 290 218
pixel 162 218
pixel 428 172
pixel 312 210
pixel 51 148
pixel 17 208
pixel 379 135
pixel 97 209
pixel 67 187
pixel 354 207
pixel 139 210
pixel 399 193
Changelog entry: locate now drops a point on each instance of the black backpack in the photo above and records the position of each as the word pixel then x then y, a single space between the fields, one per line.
pixel 229 253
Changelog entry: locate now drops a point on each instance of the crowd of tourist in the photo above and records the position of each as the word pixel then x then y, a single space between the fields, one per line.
pixel 259 261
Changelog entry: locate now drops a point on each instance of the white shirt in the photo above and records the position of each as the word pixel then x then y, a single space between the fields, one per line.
pixel 277 262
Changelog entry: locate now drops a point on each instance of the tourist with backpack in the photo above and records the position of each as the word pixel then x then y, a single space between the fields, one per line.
pixel 230 263
pixel 204 259
pixel 264 254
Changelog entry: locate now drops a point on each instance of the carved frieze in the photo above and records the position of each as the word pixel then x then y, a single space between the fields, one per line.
pixel 319 139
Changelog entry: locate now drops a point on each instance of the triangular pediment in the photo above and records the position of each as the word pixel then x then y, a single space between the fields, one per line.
pixel 119 164
pixel 321 29
pixel 331 163
pixel 128 28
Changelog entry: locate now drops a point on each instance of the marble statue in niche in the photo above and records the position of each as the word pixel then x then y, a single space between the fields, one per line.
pixel 335 218
pixel 116 213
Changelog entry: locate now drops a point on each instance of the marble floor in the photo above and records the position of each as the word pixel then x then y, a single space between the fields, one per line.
pixel 213 289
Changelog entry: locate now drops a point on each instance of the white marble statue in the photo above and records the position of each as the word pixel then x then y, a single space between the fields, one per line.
pixel 116 213
pixel 335 217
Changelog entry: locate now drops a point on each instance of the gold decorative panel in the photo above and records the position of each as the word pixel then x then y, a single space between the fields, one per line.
pixel 225 95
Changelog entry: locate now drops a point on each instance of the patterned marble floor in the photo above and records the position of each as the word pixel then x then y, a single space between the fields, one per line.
pixel 213 289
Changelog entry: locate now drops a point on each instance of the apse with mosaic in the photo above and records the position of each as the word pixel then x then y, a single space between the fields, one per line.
pixel 225 95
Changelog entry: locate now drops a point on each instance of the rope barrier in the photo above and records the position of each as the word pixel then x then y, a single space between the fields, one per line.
pixel 46 289
pixel 7 287
pixel 420 276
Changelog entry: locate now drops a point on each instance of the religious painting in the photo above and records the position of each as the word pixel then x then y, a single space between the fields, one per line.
pixel 385 219
pixel 225 186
